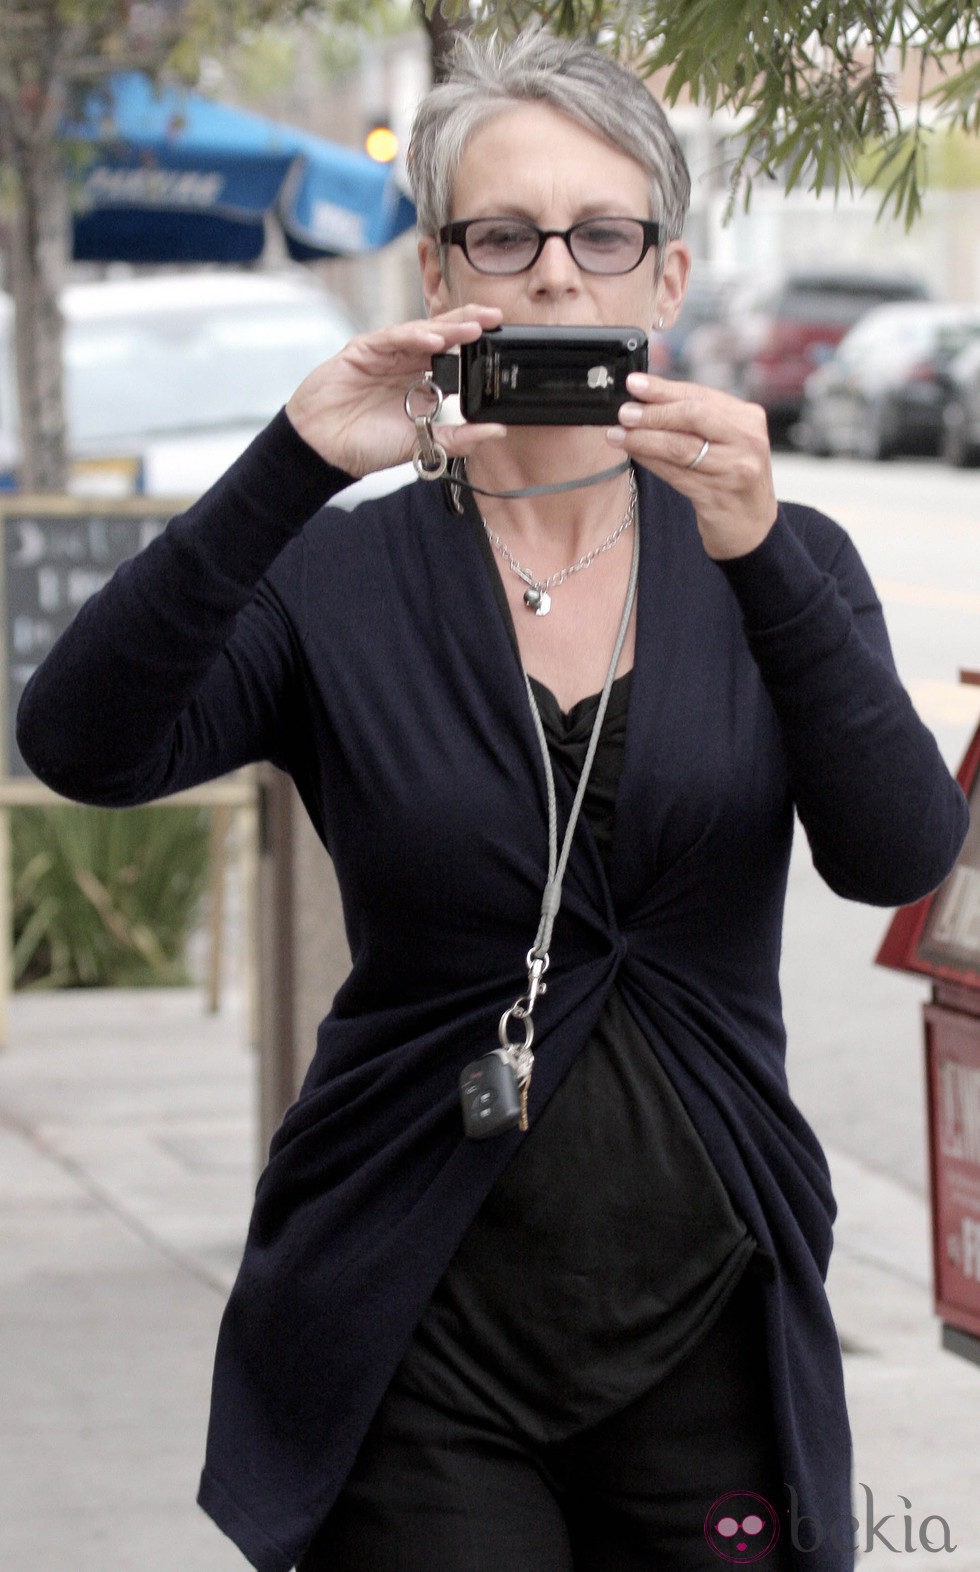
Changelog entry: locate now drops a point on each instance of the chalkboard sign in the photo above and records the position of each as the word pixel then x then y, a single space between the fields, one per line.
pixel 57 551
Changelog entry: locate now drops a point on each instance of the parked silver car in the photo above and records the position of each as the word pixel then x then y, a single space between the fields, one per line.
pixel 883 390
pixel 959 441
pixel 168 378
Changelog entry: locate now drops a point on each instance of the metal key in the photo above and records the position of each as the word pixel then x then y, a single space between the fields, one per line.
pixel 524 1086
pixel 519 1054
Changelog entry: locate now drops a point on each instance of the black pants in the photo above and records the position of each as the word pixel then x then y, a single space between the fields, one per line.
pixel 433 1491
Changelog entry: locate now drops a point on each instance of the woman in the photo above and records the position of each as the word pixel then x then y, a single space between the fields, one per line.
pixel 603 1343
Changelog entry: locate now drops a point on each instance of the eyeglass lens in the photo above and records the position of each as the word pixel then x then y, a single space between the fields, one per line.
pixel 598 245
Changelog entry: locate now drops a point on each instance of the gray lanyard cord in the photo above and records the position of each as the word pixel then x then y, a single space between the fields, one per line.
pixel 457 478
pixel 538 958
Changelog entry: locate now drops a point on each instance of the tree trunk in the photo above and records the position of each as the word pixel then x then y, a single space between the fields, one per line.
pixel 37 269
pixel 442 35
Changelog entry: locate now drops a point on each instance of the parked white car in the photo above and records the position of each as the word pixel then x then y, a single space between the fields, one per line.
pixel 168 377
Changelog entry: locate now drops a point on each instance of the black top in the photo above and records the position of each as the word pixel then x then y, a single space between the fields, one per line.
pixel 609 1244
pixel 568 734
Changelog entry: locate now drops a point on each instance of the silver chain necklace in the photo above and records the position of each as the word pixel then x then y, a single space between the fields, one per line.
pixel 536 597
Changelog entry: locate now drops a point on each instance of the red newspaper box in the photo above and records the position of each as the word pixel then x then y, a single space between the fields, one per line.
pixel 940 938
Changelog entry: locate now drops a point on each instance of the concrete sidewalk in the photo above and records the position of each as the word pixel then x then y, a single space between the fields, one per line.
pixel 127 1145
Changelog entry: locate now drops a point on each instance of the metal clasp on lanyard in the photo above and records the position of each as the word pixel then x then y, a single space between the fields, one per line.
pixel 519 1054
pixel 429 457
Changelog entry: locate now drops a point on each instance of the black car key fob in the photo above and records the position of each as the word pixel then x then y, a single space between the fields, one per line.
pixel 490 1095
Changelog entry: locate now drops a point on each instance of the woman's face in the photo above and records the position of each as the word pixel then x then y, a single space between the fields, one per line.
pixel 534 162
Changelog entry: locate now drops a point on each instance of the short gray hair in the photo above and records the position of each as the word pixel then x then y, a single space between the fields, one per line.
pixel 489 75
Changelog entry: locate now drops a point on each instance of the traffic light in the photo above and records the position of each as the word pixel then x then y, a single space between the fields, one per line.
pixel 380 141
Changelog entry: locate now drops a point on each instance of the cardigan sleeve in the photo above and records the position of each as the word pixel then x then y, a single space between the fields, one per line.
pixel 177 670
pixel 883 816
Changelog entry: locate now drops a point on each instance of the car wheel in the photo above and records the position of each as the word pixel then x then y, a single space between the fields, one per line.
pixel 954 442
pixel 779 429
pixel 807 437
pixel 874 439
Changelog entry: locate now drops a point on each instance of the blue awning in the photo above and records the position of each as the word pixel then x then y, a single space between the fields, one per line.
pixel 175 177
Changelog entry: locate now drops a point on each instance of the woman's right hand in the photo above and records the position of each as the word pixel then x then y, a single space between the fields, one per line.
pixel 351 409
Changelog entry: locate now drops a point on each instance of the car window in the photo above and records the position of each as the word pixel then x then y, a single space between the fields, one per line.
pixel 954 337
pixel 831 305
pixel 179 372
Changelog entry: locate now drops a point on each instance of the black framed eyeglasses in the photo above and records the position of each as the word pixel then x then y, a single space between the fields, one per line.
pixel 512 245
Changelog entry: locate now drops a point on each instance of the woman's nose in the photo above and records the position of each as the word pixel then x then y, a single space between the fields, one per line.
pixel 556 267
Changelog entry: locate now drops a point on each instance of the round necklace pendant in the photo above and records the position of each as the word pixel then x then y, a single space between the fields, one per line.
pixel 536 597
pixel 537 600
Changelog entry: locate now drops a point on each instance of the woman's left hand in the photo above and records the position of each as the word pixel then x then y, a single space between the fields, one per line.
pixel 712 447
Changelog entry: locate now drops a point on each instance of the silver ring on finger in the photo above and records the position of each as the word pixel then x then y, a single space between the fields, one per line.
pixel 696 460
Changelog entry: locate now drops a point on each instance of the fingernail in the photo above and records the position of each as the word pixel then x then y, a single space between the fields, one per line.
pixel 630 414
pixel 637 381
pixel 616 435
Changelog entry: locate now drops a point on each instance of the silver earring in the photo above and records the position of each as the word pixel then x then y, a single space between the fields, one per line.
pixel 660 324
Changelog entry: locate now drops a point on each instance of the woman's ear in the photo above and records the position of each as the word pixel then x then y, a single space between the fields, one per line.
pixel 672 284
pixel 435 289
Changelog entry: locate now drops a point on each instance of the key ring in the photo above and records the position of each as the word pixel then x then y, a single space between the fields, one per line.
pixel 429 458
pixel 517 1012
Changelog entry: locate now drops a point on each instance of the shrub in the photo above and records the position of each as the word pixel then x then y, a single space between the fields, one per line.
pixel 103 897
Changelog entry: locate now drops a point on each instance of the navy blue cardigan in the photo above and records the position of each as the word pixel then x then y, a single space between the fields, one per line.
pixel 366 654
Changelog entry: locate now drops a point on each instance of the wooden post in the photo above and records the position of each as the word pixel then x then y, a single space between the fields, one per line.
pixel 303 953
pixel 220 824
pixel 276 1069
pixel 251 959
pixel 6 927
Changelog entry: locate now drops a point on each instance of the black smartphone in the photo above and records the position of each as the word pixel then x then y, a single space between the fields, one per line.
pixel 544 376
